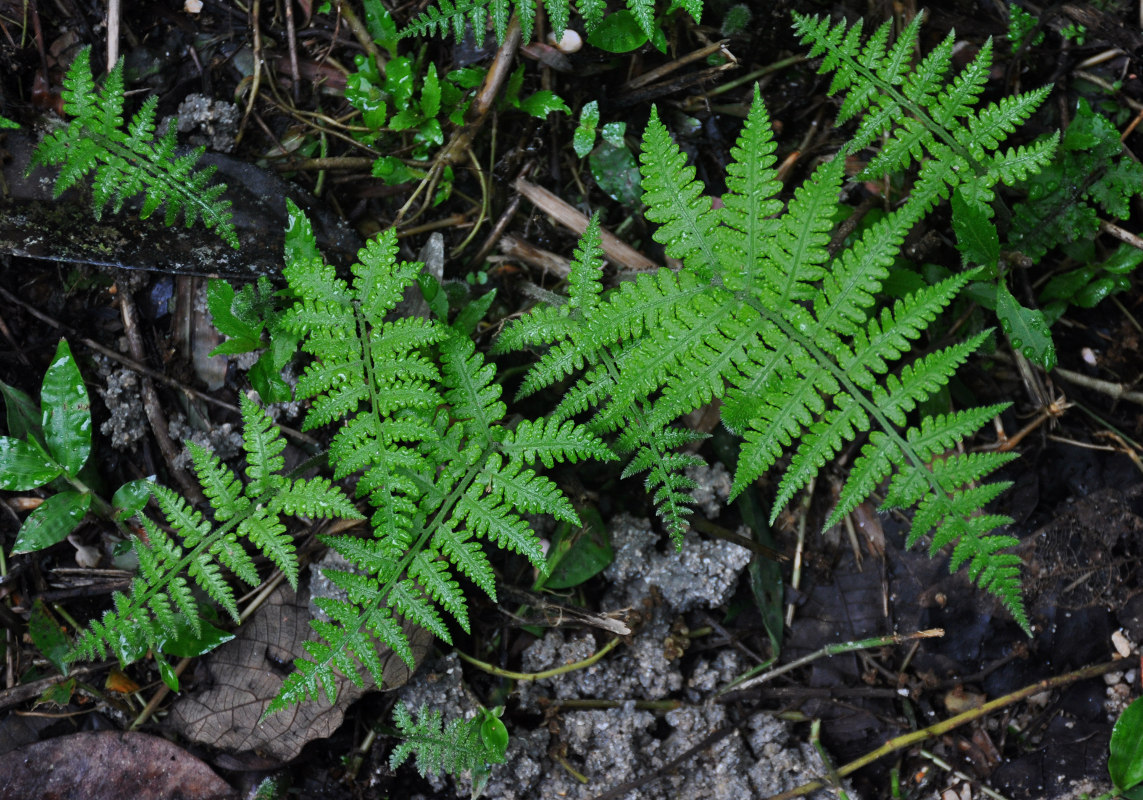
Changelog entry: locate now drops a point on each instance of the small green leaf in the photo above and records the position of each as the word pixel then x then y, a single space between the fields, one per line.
pixel 431 93
pixel 50 524
pixel 583 140
pixel 617 173
pixel 469 316
pixel 58 694
pixel 494 735
pixel 613 133
pixel 130 498
pixel 244 336
pixel 379 22
pixel 542 103
pixel 48 637
pixel 618 33
pixel 976 235
pixel 301 244
pixel 1026 328
pixel 186 643
pixel 24 465
pixel 267 380
pixel 66 412
pixel 1125 762
pixel 23 413
pixel 167 673
pixel 399 81
pixel 578 552
pixel 393 171
pixel 368 99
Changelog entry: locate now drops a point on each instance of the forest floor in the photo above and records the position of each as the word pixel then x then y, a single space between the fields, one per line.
pixel 656 715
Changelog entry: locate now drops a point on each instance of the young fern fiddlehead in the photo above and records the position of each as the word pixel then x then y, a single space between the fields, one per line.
pixel 431 450
pixel 790 338
pixel 161 598
pixel 128 162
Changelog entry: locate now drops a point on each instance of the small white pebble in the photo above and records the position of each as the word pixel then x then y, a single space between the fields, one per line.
pixel 192 6
pixel 1122 646
pixel 1089 356
pixel 571 42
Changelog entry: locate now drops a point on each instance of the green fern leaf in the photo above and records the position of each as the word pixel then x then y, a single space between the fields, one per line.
pixel 128 162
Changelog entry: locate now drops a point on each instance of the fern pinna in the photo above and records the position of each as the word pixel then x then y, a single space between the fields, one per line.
pixel 127 162
pixel 161 603
pixel 430 449
pixel 789 337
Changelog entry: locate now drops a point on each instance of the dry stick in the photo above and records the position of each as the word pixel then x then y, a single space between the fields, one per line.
pixel 113 16
pixel 151 405
pixel 545 260
pixel 143 369
pixel 496 232
pixel 292 39
pixel 908 739
pixel 617 250
pixel 1122 235
pixel 1116 391
pixel 831 650
pixel 666 69
pixel 256 81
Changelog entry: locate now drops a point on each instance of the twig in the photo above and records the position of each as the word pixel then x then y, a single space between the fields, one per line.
pixel 23 692
pixel 940 728
pixel 832 650
pixel 617 250
pixel 151 405
pixel 671 66
pixel 256 80
pixel 491 669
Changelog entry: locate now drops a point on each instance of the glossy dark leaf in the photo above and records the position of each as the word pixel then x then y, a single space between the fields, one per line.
pixel 66 412
pixel 50 524
pixel 24 465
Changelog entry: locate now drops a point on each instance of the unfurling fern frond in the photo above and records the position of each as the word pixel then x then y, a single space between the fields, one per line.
pixel 430 449
pixel 161 599
pixel 790 338
pixel 132 161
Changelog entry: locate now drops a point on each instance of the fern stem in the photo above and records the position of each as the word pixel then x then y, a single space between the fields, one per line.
pixel 500 672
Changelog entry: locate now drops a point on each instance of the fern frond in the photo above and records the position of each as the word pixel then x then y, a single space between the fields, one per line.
pixel 128 162
pixel 429 449
pixel 242 517
pixel 453 747
pixel 793 339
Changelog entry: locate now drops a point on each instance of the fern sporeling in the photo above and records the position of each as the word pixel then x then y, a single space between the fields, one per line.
pixel 131 161
pixel 792 340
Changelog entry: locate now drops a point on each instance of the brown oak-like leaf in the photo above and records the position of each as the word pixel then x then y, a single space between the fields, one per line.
pixel 244 675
